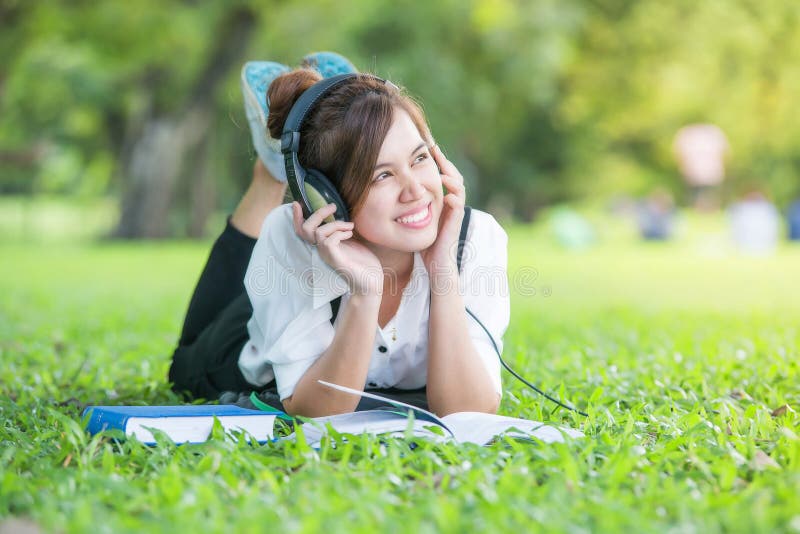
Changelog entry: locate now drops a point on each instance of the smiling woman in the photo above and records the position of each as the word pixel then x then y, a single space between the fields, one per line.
pixel 264 315
pixel 403 204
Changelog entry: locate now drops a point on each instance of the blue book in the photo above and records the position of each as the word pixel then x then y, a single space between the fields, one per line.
pixel 190 423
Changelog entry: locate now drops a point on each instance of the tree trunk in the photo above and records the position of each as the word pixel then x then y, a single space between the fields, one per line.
pixel 202 190
pixel 157 154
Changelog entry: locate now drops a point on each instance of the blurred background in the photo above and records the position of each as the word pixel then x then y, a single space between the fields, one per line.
pixel 125 119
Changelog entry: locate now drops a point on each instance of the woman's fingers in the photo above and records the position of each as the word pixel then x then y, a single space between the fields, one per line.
pixel 451 178
pixel 336 238
pixel 317 217
pixel 312 230
pixel 444 164
pixel 455 189
pixel 454 201
pixel 454 184
pixel 299 223
pixel 297 218
pixel 326 230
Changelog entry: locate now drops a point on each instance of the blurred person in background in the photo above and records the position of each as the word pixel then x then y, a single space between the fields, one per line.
pixel 755 223
pixel 700 150
pixel 793 220
pixel 570 229
pixel 655 216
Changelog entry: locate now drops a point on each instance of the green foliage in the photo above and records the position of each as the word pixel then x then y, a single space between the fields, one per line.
pixel 679 355
pixel 648 68
pixel 536 101
pixel 81 76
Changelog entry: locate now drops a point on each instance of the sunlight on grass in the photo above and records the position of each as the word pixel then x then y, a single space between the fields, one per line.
pixel 680 356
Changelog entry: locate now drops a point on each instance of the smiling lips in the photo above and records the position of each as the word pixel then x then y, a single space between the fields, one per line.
pixel 419 219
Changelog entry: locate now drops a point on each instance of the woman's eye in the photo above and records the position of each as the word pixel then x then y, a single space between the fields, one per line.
pixel 381 176
pixel 421 157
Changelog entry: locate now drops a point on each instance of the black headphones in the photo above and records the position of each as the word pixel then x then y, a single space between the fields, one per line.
pixel 311 188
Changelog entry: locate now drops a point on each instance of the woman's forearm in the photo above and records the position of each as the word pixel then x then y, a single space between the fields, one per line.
pixel 457 378
pixel 345 362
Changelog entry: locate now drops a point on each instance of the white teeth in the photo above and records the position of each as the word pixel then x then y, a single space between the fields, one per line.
pixel 414 218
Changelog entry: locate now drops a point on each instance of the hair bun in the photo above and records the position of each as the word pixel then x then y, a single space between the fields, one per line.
pixel 283 93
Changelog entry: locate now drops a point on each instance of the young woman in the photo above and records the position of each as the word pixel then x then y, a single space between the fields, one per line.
pixel 260 317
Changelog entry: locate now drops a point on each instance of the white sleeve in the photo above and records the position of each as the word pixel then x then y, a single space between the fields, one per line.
pixel 284 342
pixel 288 333
pixel 303 341
pixel 484 288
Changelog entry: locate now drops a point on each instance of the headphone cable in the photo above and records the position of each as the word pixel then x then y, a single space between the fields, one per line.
pixel 518 377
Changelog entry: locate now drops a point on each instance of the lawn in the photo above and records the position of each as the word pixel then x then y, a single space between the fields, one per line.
pixel 684 355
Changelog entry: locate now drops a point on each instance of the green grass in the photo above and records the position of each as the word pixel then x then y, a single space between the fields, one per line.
pixel 678 352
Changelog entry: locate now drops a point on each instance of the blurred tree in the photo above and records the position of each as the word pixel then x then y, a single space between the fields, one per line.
pixel 646 68
pixel 486 71
pixel 126 90
pixel 537 101
pixel 156 153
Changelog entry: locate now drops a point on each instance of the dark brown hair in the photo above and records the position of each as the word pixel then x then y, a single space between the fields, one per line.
pixel 342 135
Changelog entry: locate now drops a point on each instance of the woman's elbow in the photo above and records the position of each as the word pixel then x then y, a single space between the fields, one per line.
pixel 488 405
pixel 288 405
pixel 295 406
pixel 493 405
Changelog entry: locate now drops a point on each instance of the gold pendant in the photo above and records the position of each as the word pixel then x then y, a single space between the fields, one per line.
pixel 394 334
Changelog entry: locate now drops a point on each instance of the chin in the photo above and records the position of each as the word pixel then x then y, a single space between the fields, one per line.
pixel 418 245
pixel 427 244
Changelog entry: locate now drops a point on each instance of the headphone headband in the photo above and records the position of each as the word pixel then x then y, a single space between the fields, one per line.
pixel 290 137
pixel 290 145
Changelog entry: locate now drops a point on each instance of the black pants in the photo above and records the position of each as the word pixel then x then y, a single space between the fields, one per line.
pixel 206 361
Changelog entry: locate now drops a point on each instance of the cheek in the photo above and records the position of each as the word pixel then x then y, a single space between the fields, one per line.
pixel 369 219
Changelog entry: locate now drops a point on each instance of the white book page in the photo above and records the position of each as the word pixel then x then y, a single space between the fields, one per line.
pixel 480 428
pixel 467 427
pixel 375 422
pixel 419 413
pixel 197 429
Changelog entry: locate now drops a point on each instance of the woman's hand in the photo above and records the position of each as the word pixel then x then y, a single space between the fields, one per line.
pixel 360 268
pixel 441 255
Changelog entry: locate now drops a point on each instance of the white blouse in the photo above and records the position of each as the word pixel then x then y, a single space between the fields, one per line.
pixel 290 287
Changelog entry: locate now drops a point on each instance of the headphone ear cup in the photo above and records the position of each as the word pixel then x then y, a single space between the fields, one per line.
pixel 321 192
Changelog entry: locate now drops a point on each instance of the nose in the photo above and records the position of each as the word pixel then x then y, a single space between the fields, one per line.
pixel 412 187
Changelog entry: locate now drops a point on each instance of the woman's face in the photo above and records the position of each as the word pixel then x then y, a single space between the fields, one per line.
pixel 402 209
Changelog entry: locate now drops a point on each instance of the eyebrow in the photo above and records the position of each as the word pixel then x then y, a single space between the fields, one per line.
pixel 379 165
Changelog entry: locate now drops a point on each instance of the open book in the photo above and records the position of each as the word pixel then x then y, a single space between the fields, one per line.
pixel 462 427
pixel 193 423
